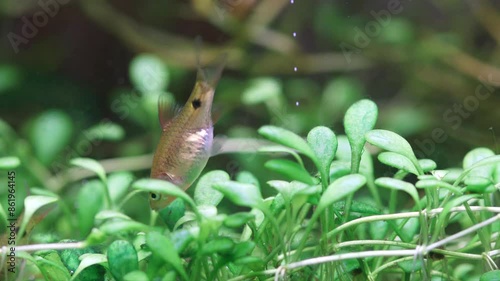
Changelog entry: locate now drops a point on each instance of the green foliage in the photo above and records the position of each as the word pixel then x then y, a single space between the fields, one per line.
pixel 331 207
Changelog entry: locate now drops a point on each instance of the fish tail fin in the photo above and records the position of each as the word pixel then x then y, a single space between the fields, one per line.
pixel 213 72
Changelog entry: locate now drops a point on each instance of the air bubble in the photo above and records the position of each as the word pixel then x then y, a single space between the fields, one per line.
pixel 294 34
pixel 295 69
pixel 297 103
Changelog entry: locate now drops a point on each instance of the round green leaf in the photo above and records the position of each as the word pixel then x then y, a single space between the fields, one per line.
pixel 476 155
pixel 339 189
pixel 122 259
pixel 10 162
pixel 324 143
pixel 148 73
pixel 242 194
pixel 393 142
pixel 50 134
pixel 164 248
pixel 205 194
pixel 359 119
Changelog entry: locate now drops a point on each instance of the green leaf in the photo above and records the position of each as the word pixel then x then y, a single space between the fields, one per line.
pixel 359 119
pixel 90 201
pixel 477 184
pixel 122 259
pixel 476 155
pixel 289 169
pixel 88 268
pixel 50 134
pixel 397 161
pixel 220 245
pixel 391 141
pixel 493 275
pixel 357 207
pixel 242 194
pixel 115 227
pixel 161 186
pixel 288 139
pixel 91 165
pixel 173 212
pixel 118 184
pixel 324 143
pixel 164 248
pixel 10 162
pixel 243 249
pixel 31 204
pixel 262 90
pixel 399 185
pixel 434 183
pixel 339 189
pixel 282 149
pixel 486 162
pixel 51 266
pixel 205 194
pixel 427 165
pixel 148 73
pixel 247 177
pixel 106 130
pixel 238 219
pixel 136 275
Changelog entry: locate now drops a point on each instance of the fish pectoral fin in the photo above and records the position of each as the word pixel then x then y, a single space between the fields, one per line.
pixel 216 113
pixel 222 144
pixel 167 110
pixel 171 178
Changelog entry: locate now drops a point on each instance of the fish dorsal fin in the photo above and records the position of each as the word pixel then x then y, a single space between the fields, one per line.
pixel 167 110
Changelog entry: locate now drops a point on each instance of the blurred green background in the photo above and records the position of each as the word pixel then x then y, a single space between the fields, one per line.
pixel 81 78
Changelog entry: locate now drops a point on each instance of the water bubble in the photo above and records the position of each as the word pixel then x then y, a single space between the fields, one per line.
pixel 294 34
pixel 291 1
pixel 295 69
pixel 297 103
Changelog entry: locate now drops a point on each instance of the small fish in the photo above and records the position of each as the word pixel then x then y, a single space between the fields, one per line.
pixel 187 138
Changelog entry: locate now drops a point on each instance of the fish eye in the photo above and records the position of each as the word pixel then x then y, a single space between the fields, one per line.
pixel 196 103
pixel 154 196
